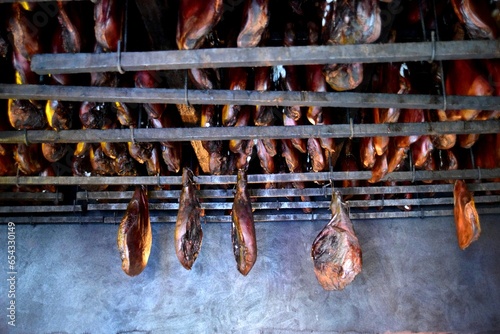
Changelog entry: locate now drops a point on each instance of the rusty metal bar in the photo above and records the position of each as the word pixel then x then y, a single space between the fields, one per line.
pixel 263 56
pixel 250 132
pixel 245 97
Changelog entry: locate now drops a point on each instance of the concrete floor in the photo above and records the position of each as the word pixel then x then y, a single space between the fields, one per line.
pixel 415 278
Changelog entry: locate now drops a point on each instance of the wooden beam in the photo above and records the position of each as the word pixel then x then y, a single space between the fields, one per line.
pixel 263 56
pixel 249 132
pixel 246 97
pixel 418 175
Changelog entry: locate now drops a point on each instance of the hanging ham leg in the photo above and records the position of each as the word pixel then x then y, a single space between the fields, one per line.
pixel 28 158
pixel 134 234
pixel 214 147
pixel 188 233
pixel 349 22
pixel 466 217
pixel 108 16
pixel 255 21
pixel 477 18
pixel 237 81
pixel 196 20
pixel 242 227
pixel 25 40
pixel 170 150
pixel 336 252
pixel 242 148
pixel 147 79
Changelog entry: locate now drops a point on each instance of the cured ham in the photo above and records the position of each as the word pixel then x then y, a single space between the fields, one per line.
pixel 25 40
pixel 135 237
pixel 336 252
pixel 255 21
pixel 349 22
pixel 108 16
pixel 196 20
pixel 237 81
pixel 147 79
pixel 213 147
pixel 28 158
pixel 170 150
pixel 466 217
pixel 349 164
pixel 242 148
pixel 188 232
pixel 243 227
pixel 476 17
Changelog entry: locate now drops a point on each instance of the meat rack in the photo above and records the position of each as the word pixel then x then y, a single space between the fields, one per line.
pixel 216 194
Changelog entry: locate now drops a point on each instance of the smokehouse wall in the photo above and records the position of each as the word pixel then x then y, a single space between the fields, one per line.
pixel 414 278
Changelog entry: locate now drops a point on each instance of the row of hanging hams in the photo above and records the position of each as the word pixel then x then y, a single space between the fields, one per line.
pixel 134 238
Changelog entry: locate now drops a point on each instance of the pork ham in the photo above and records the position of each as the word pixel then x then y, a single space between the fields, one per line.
pixel 466 217
pixel 188 233
pixel 242 227
pixel 336 252
pixel 134 234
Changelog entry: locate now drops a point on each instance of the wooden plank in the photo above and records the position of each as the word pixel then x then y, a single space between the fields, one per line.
pixel 249 132
pixel 31 197
pixel 274 193
pixel 263 56
pixel 244 97
pixel 40 209
pixel 418 175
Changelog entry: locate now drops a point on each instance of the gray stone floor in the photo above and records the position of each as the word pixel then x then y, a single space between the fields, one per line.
pixel 415 278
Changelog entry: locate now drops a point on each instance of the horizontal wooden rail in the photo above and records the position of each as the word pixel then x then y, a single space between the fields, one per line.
pixel 263 56
pixel 249 132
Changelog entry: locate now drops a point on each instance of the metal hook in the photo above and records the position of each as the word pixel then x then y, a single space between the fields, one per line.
pixel 351 127
pixel 413 174
pixel 186 88
pixel 478 173
pixel 17 177
pixel 433 41
pixel 119 58
pixel 132 136
pixel 158 180
pixel 26 141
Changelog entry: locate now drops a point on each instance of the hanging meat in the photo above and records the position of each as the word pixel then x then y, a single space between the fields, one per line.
pixel 466 217
pixel 213 147
pixel 349 164
pixel 255 21
pixel 237 78
pixel 196 20
pixel 25 40
pixel 147 79
pixel 476 17
pixel 23 114
pixel 348 22
pixel 108 16
pixel 315 81
pixel 392 80
pixel 336 252
pixel 170 150
pixel 242 148
pixel 188 233
pixel 242 227
pixel 28 158
pixel 134 234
